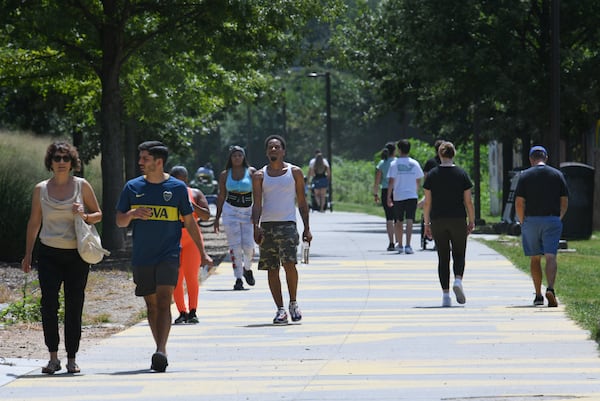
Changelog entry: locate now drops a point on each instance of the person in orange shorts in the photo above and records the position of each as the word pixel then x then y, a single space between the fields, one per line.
pixel 190 260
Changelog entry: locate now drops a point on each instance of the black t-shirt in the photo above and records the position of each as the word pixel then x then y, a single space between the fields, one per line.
pixel 431 164
pixel 542 186
pixel 447 185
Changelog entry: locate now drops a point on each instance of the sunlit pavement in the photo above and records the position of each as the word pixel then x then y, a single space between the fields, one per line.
pixel 373 329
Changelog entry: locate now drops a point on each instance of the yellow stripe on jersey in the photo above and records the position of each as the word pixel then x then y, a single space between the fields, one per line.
pixel 162 213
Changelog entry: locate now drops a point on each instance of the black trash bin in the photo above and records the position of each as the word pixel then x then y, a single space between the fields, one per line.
pixel 577 222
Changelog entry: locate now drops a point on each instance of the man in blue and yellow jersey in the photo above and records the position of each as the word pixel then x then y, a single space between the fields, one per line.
pixel 152 204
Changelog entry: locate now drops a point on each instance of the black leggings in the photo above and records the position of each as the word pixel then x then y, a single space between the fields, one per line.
pixel 450 235
pixel 57 267
pixel 389 211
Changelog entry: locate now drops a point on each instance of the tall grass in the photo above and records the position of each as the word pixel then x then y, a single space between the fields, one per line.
pixel 353 181
pixel 21 168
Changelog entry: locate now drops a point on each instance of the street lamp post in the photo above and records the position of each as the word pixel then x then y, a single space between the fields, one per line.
pixel 554 142
pixel 327 76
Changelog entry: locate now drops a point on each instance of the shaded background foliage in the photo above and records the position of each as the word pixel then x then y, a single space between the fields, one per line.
pixel 202 76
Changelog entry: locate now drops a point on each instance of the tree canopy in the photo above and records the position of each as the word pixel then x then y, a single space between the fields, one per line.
pixel 115 72
pixel 131 70
pixel 456 65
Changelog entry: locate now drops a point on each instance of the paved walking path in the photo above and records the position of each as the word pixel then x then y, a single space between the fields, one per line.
pixel 373 329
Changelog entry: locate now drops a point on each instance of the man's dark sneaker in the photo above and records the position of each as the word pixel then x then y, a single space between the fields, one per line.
pixel 280 317
pixel 239 285
pixel 249 276
pixel 183 317
pixel 192 318
pixel 551 297
pixel 391 247
pixel 159 362
pixel 539 300
pixel 295 312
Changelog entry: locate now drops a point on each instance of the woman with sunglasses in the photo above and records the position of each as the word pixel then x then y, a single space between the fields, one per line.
pixel 55 204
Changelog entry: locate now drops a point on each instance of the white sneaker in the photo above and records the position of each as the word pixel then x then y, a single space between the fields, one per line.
pixel 281 317
pixel 458 291
pixel 295 313
pixel 446 300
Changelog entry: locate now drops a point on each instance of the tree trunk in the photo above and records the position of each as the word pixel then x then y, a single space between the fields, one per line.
pixel 111 147
pixel 477 174
pixel 131 143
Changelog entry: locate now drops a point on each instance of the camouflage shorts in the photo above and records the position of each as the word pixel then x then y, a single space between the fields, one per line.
pixel 280 244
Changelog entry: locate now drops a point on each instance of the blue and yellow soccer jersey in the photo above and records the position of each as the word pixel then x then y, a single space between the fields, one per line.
pixel 156 239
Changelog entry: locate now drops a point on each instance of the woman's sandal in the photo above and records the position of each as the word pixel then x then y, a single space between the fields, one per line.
pixel 53 366
pixel 72 367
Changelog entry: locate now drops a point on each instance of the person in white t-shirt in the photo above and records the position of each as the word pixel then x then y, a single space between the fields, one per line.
pixel 404 177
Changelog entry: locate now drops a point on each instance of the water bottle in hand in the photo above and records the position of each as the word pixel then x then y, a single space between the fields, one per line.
pixel 305 252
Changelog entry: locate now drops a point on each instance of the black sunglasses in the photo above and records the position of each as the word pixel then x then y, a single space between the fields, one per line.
pixel 58 158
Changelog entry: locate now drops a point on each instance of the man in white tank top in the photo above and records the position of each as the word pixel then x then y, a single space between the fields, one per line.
pixel 277 188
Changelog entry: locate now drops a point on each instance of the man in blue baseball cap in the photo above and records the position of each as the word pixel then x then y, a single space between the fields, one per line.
pixel 541 201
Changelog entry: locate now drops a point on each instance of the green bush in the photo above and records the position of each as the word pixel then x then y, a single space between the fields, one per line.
pixel 353 180
pixel 28 309
pixel 25 310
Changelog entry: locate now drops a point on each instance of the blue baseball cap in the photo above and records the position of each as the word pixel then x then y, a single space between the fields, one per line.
pixel 538 149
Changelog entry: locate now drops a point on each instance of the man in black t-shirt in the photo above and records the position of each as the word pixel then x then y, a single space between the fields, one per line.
pixel 541 201
pixel 429 165
pixel 434 161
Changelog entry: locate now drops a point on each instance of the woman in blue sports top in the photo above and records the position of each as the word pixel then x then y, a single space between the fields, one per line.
pixel 234 204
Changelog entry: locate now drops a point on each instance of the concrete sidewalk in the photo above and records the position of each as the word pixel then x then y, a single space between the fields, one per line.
pixel 373 329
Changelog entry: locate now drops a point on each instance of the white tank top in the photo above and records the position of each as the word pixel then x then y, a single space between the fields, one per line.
pixel 58 220
pixel 279 196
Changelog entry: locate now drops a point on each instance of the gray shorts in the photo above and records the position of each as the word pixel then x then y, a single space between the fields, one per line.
pixel 147 277
pixel 279 246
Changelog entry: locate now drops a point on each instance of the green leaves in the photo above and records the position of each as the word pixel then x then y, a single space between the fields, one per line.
pixel 455 65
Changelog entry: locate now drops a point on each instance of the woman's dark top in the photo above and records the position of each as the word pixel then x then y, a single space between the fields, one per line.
pixel 447 185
